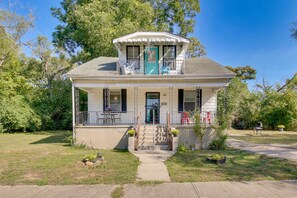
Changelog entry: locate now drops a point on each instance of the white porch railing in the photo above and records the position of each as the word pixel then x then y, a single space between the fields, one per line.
pixel 170 67
pixel 188 118
pixel 102 118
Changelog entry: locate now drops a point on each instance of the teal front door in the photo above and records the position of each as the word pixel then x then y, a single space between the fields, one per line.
pixel 151 60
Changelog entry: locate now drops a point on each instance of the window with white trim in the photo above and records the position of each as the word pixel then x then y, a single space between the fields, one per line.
pixel 133 53
pixel 169 55
pixel 115 100
pixel 189 100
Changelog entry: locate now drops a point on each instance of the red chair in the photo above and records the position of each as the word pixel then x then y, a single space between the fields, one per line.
pixel 207 118
pixel 184 118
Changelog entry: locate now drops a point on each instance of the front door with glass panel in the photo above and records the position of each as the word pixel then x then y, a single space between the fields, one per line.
pixel 151 60
pixel 152 107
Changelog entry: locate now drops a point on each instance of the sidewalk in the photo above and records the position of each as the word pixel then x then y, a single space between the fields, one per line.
pixel 152 165
pixel 272 150
pixel 269 189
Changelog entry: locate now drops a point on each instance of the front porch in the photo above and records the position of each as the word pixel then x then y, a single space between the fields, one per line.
pixel 152 112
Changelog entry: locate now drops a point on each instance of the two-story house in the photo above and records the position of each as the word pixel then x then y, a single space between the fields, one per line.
pixel 150 86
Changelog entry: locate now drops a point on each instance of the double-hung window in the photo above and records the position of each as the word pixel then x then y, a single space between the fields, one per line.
pixel 169 55
pixel 115 100
pixel 189 100
pixel 133 56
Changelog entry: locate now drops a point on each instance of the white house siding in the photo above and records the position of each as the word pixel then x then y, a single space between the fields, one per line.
pixel 209 101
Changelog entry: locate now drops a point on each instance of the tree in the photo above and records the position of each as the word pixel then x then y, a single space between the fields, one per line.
pixel 89 26
pixel 12 29
pixel 199 129
pixel 294 30
pixel 175 15
pixel 50 63
pixel 244 73
pixel 195 49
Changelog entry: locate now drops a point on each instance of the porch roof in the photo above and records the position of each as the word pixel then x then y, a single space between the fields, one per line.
pixel 106 67
pixel 151 37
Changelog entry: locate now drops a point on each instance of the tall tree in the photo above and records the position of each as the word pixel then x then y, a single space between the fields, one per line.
pixel 50 63
pixel 294 30
pixel 12 29
pixel 244 73
pixel 88 26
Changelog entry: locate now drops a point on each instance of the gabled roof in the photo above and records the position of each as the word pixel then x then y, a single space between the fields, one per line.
pixel 151 37
pixel 106 66
pixel 101 66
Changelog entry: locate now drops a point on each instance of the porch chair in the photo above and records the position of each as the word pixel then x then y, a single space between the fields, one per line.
pixel 128 69
pixel 207 118
pixel 165 70
pixel 184 118
pixel 258 129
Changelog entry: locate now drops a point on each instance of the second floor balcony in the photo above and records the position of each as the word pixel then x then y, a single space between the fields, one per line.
pixel 165 67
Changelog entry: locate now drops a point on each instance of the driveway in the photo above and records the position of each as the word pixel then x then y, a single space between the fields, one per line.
pixel 273 150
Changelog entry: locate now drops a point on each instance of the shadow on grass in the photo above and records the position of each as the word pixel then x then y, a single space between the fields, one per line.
pixel 240 166
pixel 53 139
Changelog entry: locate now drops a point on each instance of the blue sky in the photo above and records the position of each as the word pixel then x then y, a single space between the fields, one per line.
pixel 234 32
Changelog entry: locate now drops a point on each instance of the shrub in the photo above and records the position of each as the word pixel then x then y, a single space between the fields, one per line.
pixel 219 143
pixel 182 148
pixel 175 132
pixel 280 126
pixel 217 156
pixel 131 132
pixel 89 157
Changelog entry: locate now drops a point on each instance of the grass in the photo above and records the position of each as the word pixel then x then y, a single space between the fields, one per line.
pixel 240 166
pixel 118 192
pixel 44 158
pixel 269 137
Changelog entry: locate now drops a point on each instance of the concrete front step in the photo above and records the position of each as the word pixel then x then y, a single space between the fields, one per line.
pixel 151 147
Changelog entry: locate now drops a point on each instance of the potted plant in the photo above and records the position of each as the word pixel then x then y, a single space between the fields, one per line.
pixel 175 132
pixel 281 127
pixel 131 132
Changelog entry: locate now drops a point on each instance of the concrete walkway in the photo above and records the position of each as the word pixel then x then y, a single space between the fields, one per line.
pixel 272 150
pixel 152 166
pixel 287 189
pixel 271 189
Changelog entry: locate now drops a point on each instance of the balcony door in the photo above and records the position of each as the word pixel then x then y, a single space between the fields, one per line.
pixel 151 60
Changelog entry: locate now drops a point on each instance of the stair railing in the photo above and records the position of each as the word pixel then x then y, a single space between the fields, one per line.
pixel 136 143
pixel 168 129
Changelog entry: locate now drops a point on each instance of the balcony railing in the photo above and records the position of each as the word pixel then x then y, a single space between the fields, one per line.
pixel 102 118
pixel 168 67
pixel 188 117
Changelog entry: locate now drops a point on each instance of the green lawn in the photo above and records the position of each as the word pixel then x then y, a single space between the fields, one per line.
pixel 240 166
pixel 268 137
pixel 44 158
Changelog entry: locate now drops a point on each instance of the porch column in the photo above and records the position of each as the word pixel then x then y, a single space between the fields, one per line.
pixel 170 105
pixel 73 109
pixel 135 103
pixel 198 99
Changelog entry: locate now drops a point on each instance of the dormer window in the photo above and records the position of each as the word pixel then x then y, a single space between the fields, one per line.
pixel 169 55
pixel 133 56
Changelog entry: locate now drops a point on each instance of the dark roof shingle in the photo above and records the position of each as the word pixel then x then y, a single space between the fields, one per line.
pixel 106 66
pixel 205 66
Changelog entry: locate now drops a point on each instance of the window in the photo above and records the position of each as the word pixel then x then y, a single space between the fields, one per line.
pixel 189 100
pixel 169 55
pixel 133 53
pixel 115 100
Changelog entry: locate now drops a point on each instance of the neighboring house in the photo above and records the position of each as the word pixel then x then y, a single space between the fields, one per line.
pixel 149 86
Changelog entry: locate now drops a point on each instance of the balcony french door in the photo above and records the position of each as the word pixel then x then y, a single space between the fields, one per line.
pixel 151 60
